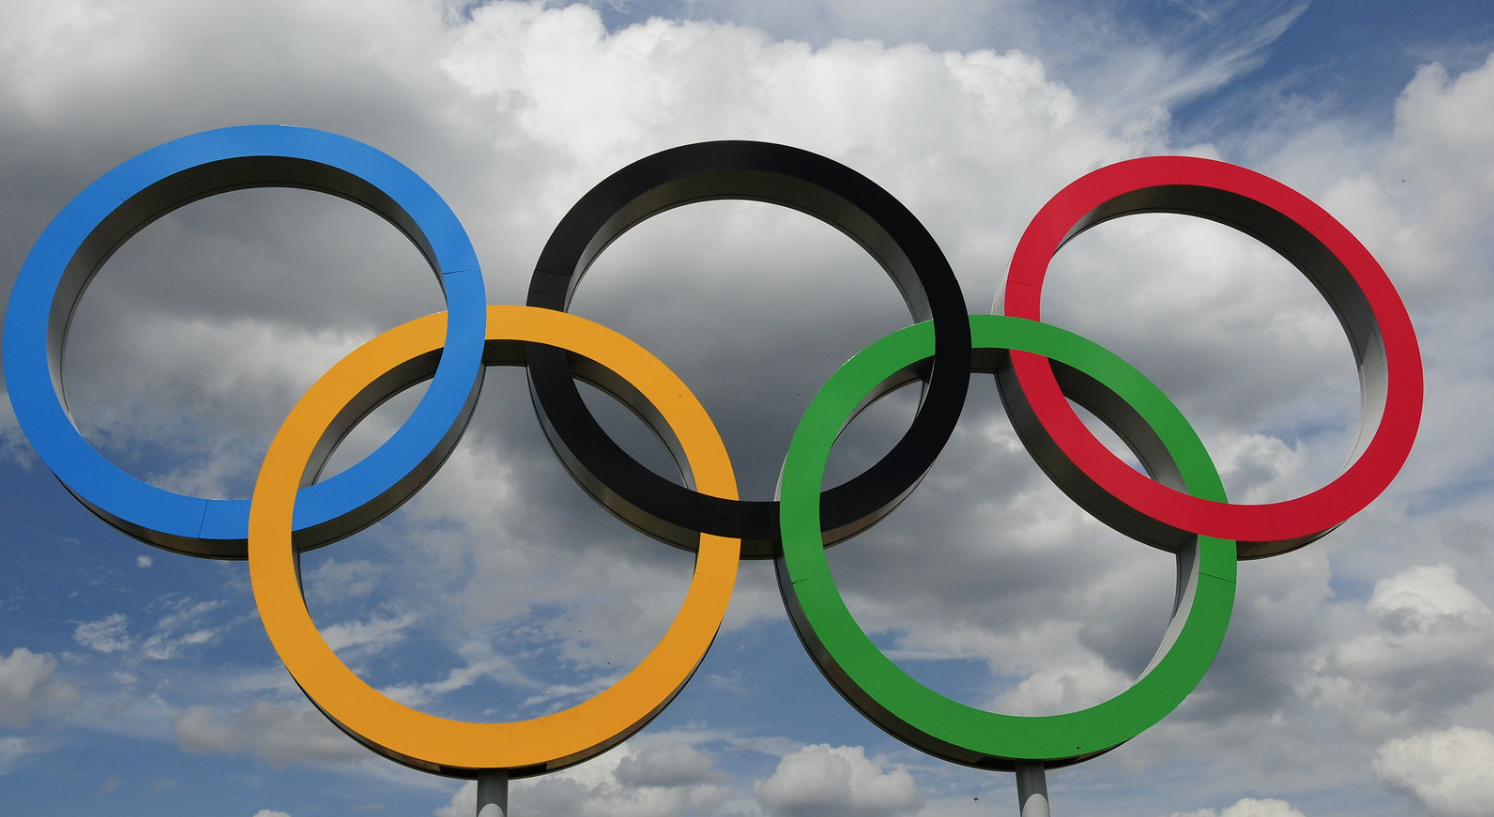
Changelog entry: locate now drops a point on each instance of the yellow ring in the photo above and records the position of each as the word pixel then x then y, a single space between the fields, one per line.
pixel 456 747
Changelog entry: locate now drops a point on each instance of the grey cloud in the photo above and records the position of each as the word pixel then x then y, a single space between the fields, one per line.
pixel 198 730
pixel 825 781
pixel 336 580
pixel 674 765
pixel 1447 772
pixel 280 735
pixel 27 690
pixel 205 328
pixel 1426 651
pixel 13 750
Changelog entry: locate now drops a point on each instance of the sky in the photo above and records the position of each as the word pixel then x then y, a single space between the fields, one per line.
pixel 1357 675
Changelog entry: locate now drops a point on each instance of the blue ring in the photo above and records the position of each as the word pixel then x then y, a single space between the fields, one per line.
pixel 95 223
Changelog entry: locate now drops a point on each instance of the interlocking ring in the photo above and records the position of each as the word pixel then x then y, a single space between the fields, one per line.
pixel 1178 504
pixel 458 748
pixel 907 709
pixel 127 199
pixel 1351 281
pixel 794 178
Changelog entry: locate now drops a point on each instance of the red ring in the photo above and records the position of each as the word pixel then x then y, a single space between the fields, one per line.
pixel 1350 279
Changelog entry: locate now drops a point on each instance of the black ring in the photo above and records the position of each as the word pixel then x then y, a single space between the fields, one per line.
pixel 777 174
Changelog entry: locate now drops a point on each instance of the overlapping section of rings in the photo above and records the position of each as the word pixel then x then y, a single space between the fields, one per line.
pixel 1124 399
pixel 793 178
pixel 1329 255
pixel 1045 369
pixel 101 218
pixel 459 748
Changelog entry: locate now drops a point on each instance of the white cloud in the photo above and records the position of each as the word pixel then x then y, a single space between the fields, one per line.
pixel 677 764
pixel 1449 772
pixel 27 688
pixel 181 614
pixel 1428 599
pixel 1442 123
pixel 1248 807
pixel 1124 66
pixel 264 812
pixel 463 802
pixel 827 781
pixel 14 749
pixel 560 794
pixel 180 625
pixel 1428 648
pixel 340 580
pixel 160 647
pixel 477 666
pixel 371 636
pixel 626 781
pixel 106 635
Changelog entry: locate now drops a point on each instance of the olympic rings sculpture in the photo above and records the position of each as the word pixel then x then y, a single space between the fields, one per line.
pixel 1177 505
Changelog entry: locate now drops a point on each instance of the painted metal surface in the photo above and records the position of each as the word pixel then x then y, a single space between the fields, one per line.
pixel 918 715
pixel 1178 505
pixel 127 199
pixel 1351 281
pixel 459 748
pixel 780 175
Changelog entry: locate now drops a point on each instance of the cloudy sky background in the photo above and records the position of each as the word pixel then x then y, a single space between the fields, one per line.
pixel 1357 675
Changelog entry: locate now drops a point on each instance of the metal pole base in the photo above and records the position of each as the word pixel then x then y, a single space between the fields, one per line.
pixel 1032 789
pixel 492 793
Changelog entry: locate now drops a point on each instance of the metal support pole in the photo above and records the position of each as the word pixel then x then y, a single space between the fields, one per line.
pixel 1032 789
pixel 492 793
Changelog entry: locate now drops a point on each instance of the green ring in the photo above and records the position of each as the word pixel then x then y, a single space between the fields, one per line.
pixel 903 706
